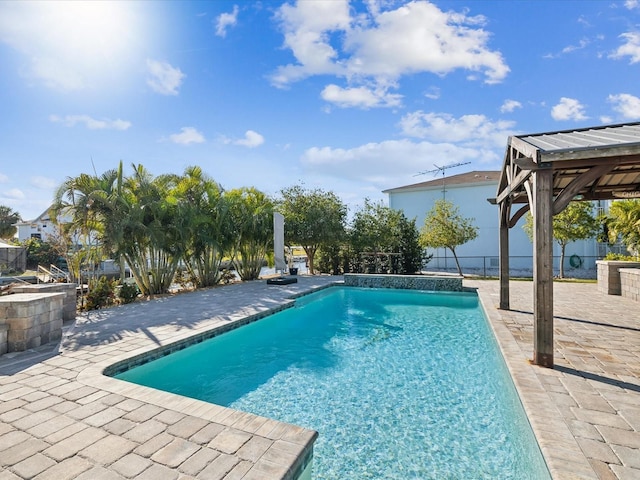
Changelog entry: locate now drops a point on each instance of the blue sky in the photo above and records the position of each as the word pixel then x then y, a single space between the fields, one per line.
pixel 353 97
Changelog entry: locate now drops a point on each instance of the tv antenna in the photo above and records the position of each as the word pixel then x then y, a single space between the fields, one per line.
pixel 442 169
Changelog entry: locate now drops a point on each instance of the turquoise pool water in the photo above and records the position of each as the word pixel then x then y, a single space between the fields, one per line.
pixel 399 384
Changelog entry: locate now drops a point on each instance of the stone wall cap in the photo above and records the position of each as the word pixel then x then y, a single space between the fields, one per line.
pixel 29 297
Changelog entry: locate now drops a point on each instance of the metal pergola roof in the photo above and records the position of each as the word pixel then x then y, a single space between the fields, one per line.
pixel 543 172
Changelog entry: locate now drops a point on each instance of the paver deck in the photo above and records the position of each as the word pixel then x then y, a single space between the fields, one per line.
pixel 61 418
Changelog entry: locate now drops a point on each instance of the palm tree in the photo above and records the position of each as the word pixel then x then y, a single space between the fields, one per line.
pixel 623 220
pixel 204 216
pixel 8 218
pixel 251 220
pixel 149 237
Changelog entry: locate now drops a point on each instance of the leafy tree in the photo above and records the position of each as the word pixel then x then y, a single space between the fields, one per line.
pixel 379 230
pixel 575 222
pixel 251 218
pixel 313 218
pixel 444 227
pixel 623 220
pixel 413 255
pixel 7 218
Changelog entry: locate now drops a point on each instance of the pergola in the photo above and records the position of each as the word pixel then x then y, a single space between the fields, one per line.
pixel 544 172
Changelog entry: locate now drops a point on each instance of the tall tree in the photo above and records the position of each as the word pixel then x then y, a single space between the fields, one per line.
pixel 444 227
pixel 7 219
pixel 312 218
pixel 575 222
pixel 623 219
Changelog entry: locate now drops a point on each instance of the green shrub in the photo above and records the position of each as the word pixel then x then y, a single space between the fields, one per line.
pixel 621 257
pixel 128 292
pixel 101 295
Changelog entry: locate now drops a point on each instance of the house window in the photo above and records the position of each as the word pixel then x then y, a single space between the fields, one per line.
pixel 36 235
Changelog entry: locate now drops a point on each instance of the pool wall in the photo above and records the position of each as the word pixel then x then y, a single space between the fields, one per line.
pixel 441 283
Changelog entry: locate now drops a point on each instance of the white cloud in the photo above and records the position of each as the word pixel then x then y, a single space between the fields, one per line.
pixel 70 45
pixel 43 183
pixel 631 4
pixel 509 106
pixel 226 20
pixel 361 97
pixel 251 140
pixel 384 45
pixel 568 109
pixel 605 119
pixel 631 48
pixel 467 130
pixel 389 163
pixel 13 194
pixel 626 105
pixel 433 93
pixel 583 43
pixel 164 78
pixel 187 136
pixel 91 123
pixel 3 178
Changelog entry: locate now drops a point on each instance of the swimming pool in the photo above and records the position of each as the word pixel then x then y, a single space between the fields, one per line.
pixel 399 384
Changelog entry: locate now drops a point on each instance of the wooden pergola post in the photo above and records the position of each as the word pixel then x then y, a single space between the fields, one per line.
pixel 503 245
pixel 542 210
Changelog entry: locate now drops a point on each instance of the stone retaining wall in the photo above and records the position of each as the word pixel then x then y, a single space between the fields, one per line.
pixel 70 296
pixel 32 319
pixel 630 283
pixel 609 275
pixel 450 283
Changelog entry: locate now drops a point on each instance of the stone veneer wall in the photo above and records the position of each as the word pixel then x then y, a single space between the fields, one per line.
pixel 609 275
pixel 4 330
pixel 451 283
pixel 630 283
pixel 70 296
pixel 32 319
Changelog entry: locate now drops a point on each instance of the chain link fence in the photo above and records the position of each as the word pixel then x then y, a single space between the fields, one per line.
pixel 575 266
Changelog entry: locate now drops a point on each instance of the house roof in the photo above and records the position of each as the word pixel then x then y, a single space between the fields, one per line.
pixel 474 177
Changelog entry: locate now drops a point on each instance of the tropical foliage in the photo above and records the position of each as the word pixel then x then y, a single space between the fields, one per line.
pixel 444 227
pixel 575 222
pixel 154 224
pixel 251 215
pixel 8 218
pixel 623 220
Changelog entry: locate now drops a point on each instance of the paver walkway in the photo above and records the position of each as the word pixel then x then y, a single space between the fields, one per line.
pixel 61 418
pixel 589 404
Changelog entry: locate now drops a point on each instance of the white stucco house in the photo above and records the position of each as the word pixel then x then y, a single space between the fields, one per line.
pixel 41 227
pixel 470 193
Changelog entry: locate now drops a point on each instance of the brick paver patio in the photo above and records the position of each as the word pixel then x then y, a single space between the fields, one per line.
pixel 60 418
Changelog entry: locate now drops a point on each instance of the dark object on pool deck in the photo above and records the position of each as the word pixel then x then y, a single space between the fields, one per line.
pixel 281 281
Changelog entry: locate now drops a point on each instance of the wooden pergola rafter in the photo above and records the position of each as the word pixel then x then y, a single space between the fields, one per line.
pixel 542 173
